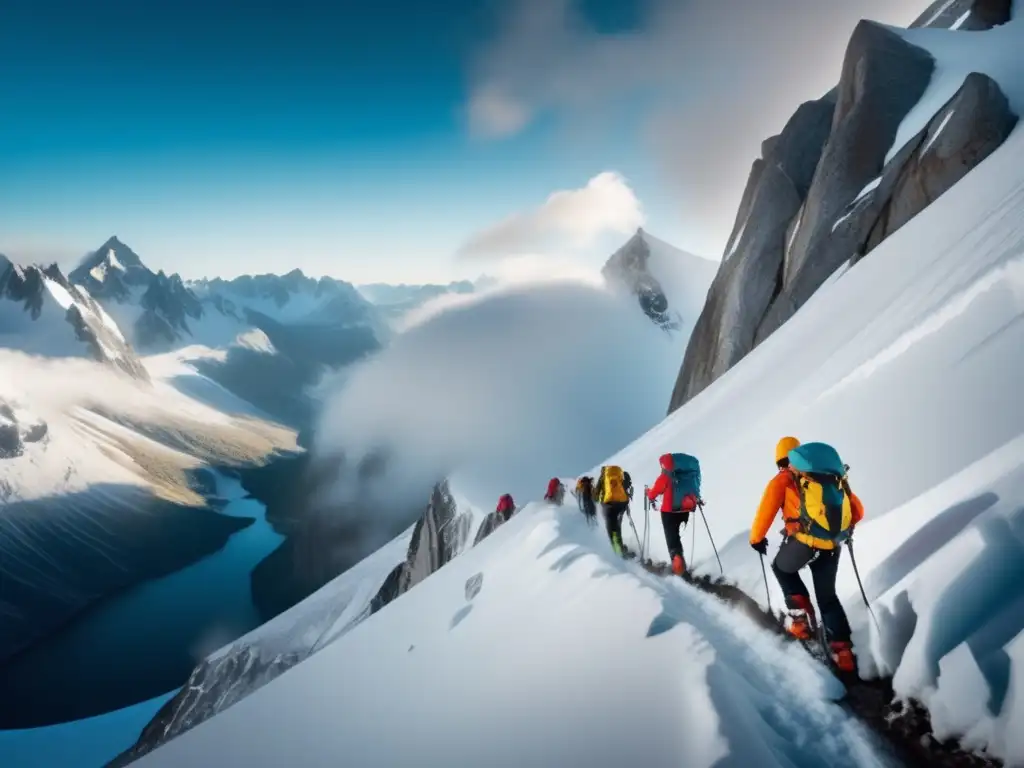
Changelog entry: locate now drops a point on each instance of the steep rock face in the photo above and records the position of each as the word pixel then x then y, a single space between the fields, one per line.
pixel 42 313
pixel 975 122
pixel 883 78
pixel 855 200
pixel 750 275
pixel 438 537
pixel 629 265
pixel 229 676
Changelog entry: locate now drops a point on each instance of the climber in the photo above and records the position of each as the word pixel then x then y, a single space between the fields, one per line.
pixel 819 512
pixel 613 491
pixel 585 498
pixel 556 491
pixel 506 507
pixel 679 488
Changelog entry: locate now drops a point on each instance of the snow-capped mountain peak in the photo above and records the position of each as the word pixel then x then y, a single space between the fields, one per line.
pixel 43 313
pixel 669 283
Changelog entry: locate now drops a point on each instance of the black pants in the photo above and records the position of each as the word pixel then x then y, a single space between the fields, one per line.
pixel 613 512
pixel 794 555
pixel 671 522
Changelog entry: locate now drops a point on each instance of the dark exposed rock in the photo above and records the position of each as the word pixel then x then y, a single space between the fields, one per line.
pixel 749 275
pixel 234 676
pixel 628 266
pixel 88 325
pixel 983 14
pixel 489 525
pixel 437 538
pixel 975 122
pixel 986 14
pixel 10 441
pixel 883 78
pixel 782 248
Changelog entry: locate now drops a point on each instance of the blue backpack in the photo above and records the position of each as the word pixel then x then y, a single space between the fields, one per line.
pixel 685 478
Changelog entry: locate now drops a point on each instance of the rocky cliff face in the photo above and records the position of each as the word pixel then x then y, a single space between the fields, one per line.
pixel 42 313
pixel 826 192
pixel 440 534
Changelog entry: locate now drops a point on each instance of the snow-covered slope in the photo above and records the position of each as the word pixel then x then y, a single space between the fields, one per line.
pixel 910 364
pixel 41 313
pixel 670 284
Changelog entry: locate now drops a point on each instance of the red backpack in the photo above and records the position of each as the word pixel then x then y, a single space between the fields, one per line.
pixel 505 503
pixel 553 485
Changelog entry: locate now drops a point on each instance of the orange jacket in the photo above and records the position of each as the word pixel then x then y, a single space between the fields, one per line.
pixel 783 494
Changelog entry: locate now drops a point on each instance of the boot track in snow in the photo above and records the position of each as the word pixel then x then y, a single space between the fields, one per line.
pixel 905 726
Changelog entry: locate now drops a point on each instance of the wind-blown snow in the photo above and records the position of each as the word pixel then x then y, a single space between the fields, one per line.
pixel 994 52
pixel 474 381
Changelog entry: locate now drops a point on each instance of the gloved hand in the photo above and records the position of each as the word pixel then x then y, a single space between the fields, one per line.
pixel 760 547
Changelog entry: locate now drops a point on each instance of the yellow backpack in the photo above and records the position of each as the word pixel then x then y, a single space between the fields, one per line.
pixel 825 509
pixel 614 485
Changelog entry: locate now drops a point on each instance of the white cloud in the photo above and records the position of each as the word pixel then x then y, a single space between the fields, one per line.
pixel 570 218
pixel 492 114
pixel 507 388
pixel 715 78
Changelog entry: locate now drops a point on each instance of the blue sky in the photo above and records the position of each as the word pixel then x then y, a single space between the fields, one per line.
pixel 224 137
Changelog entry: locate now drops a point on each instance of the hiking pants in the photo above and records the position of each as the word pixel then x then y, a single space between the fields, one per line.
pixel 613 512
pixel 794 555
pixel 671 522
pixel 588 507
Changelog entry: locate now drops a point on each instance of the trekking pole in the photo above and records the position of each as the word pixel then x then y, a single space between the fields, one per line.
pixel 631 525
pixel 863 594
pixel 767 592
pixel 700 506
pixel 647 506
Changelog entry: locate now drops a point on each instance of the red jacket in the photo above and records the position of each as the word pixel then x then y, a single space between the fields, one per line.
pixel 553 484
pixel 505 504
pixel 663 485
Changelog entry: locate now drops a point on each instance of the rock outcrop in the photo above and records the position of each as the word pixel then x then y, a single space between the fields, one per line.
pixel 883 78
pixel 795 228
pixel 965 15
pixel 17 428
pixel 750 276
